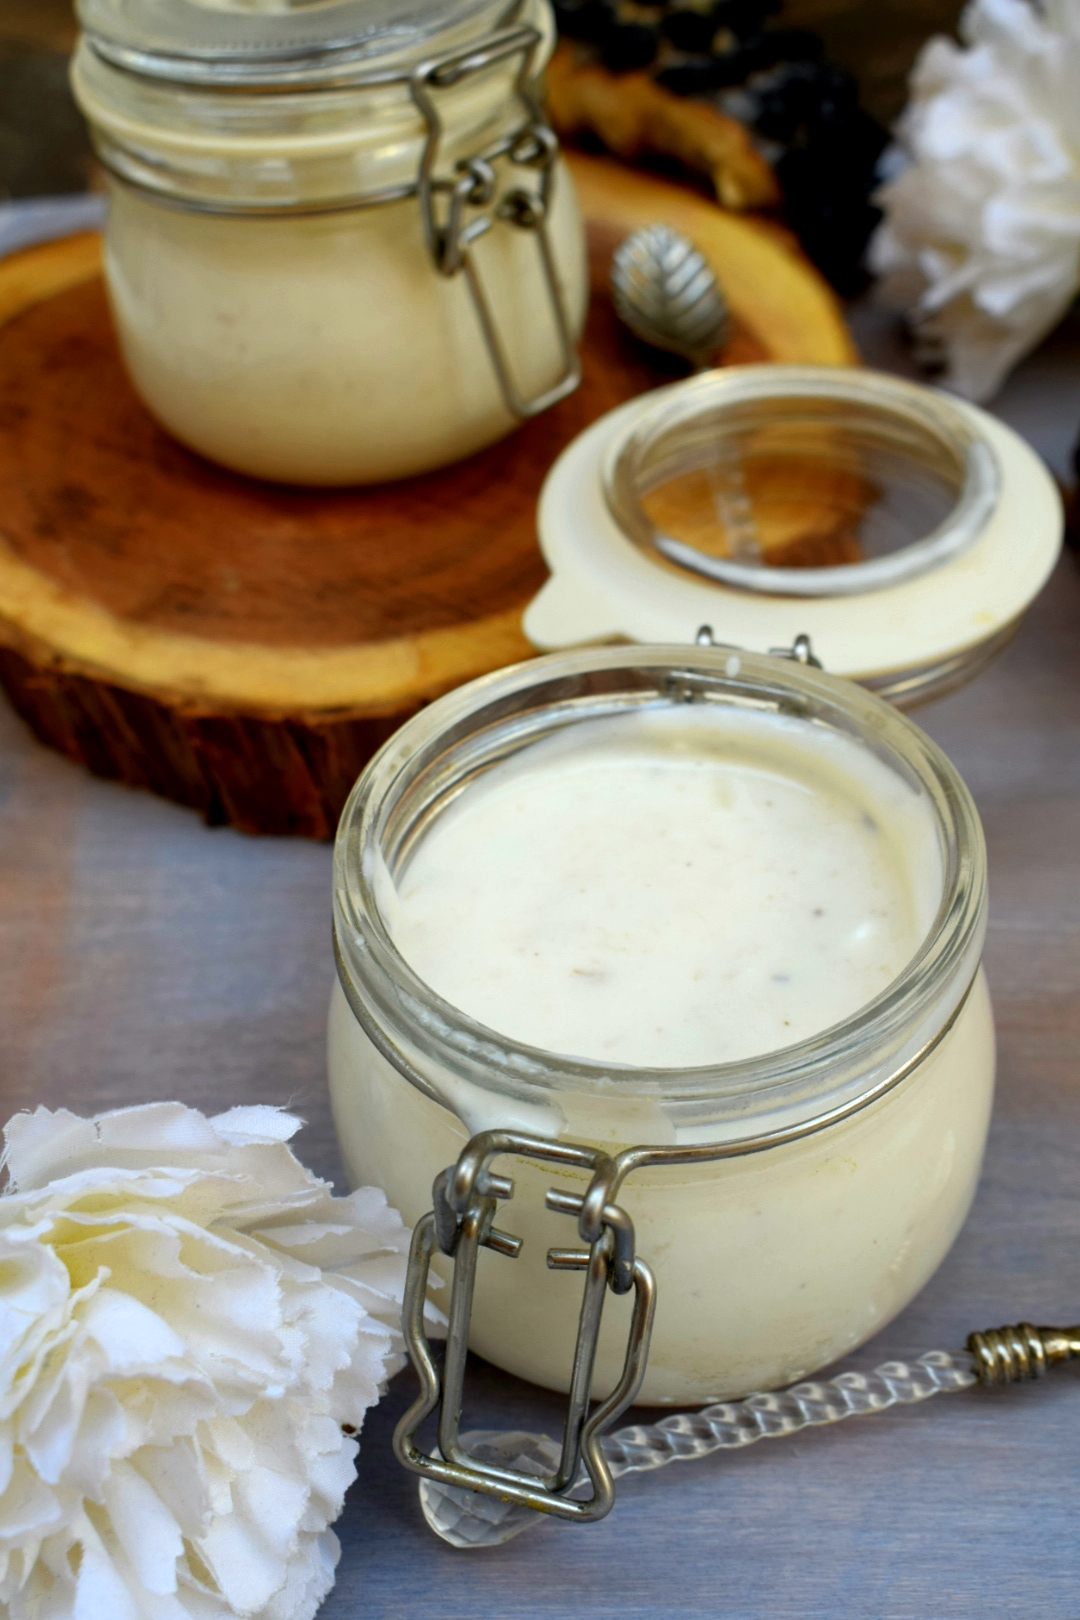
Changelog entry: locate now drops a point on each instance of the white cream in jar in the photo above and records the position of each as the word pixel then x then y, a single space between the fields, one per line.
pixel 668 889
pixel 653 924
pixel 278 303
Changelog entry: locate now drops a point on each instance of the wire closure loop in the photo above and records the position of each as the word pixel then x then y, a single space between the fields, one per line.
pixel 457 209
pixel 466 1197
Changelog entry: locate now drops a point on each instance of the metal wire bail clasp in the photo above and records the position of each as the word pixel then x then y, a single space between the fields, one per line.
pixel 466 1198
pixel 460 207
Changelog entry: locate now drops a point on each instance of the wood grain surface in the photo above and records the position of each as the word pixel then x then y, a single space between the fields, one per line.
pixel 243 647
pixel 143 956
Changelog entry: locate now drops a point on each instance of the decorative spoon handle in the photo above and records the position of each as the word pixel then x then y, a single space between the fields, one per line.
pixel 1006 1355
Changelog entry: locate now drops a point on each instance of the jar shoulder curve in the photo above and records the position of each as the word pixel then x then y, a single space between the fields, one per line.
pixel 327 350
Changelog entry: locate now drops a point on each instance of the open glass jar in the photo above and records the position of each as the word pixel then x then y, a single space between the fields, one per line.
pixel 789 1202
pixel 341 246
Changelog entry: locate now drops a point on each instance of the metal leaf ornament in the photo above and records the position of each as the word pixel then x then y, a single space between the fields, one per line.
pixel 665 291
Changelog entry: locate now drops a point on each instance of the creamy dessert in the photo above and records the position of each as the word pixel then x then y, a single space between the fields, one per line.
pixel 667 890
pixel 676 924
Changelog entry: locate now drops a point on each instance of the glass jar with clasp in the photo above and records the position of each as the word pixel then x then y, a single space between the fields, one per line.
pixel 341 246
pixel 751 1219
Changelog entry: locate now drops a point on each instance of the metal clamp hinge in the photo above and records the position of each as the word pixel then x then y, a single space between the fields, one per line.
pixel 466 1198
pixel 800 651
pixel 458 208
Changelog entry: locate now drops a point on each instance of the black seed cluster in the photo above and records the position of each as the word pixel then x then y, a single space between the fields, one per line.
pixel 805 110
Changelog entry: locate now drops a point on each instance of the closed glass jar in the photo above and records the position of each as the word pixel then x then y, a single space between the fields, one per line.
pixel 341 245
pixel 823 1181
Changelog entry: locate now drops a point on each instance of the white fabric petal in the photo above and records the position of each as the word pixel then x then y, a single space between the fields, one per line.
pixel 7 1456
pixel 187 1318
pixel 981 240
pixel 245 1126
pixel 100 1588
pixel 144 1527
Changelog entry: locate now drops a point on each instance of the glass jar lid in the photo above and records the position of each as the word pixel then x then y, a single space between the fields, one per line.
pixel 793 486
pixel 268 42
pixel 903 531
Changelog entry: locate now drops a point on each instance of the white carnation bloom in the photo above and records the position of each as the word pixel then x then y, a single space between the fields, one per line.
pixel 187 1319
pixel 981 240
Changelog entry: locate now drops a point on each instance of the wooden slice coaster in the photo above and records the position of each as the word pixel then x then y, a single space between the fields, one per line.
pixel 242 647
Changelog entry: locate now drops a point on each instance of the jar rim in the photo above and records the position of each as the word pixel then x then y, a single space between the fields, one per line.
pixel 688 419
pixel 801 1085
pixel 195 42
pixel 309 133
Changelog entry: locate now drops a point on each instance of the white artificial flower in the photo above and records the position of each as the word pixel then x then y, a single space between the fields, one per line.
pixel 188 1318
pixel 981 240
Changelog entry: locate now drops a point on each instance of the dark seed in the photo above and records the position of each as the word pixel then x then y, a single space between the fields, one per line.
pixel 592 20
pixel 746 17
pixel 628 47
pixel 795 45
pixel 689 79
pixel 690 29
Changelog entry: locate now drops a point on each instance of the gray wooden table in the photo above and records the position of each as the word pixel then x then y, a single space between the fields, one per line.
pixel 143 956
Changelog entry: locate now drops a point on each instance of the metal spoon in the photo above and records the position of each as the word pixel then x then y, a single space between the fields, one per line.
pixel 665 291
